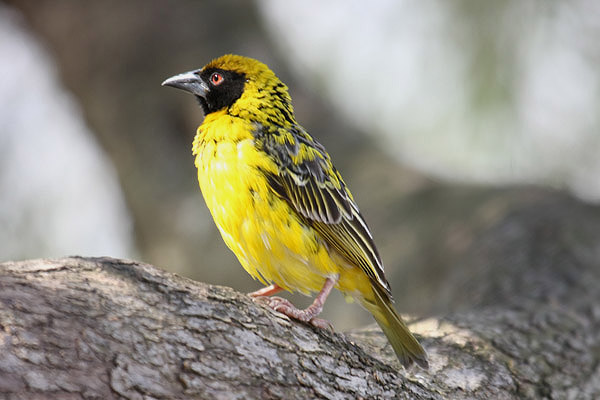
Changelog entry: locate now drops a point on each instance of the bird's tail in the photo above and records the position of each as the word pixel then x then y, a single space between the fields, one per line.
pixel 406 347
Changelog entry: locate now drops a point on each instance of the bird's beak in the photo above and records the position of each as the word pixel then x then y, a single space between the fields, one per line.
pixel 188 81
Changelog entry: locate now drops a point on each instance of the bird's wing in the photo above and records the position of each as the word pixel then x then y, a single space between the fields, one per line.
pixel 312 186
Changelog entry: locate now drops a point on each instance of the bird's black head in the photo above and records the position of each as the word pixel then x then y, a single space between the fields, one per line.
pixel 215 88
pixel 243 86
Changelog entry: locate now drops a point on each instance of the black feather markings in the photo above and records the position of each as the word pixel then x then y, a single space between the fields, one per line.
pixel 310 187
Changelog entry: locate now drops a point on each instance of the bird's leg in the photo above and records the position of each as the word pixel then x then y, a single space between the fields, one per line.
pixel 266 291
pixel 308 314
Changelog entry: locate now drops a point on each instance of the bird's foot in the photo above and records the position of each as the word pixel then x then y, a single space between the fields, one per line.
pixel 285 307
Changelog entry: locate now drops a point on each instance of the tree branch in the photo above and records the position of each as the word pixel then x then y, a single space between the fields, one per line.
pixel 527 325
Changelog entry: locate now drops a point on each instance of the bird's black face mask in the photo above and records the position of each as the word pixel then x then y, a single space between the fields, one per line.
pixel 214 88
pixel 224 88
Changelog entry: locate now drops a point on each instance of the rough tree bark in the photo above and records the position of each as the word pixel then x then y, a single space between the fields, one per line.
pixel 526 325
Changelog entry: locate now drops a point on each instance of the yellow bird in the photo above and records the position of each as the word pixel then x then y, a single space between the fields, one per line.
pixel 278 201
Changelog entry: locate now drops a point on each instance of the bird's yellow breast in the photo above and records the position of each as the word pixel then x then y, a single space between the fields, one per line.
pixel 267 236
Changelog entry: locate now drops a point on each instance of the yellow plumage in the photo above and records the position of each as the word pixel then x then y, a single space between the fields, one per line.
pixel 270 242
pixel 278 201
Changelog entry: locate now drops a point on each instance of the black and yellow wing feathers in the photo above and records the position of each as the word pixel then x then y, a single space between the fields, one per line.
pixel 312 186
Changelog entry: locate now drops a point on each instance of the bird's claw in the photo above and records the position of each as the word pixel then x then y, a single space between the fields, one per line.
pixel 321 323
pixel 285 307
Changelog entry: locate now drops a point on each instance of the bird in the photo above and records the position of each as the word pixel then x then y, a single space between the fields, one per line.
pixel 280 204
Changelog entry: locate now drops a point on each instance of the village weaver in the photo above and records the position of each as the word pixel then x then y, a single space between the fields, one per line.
pixel 278 201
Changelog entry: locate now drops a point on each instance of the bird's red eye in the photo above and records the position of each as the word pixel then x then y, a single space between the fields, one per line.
pixel 216 79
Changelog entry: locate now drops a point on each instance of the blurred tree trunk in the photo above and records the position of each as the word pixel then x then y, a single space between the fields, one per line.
pixel 526 325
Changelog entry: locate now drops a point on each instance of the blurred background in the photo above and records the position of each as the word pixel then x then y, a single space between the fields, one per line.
pixel 442 117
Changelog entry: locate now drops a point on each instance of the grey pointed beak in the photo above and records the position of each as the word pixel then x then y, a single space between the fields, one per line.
pixel 188 81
